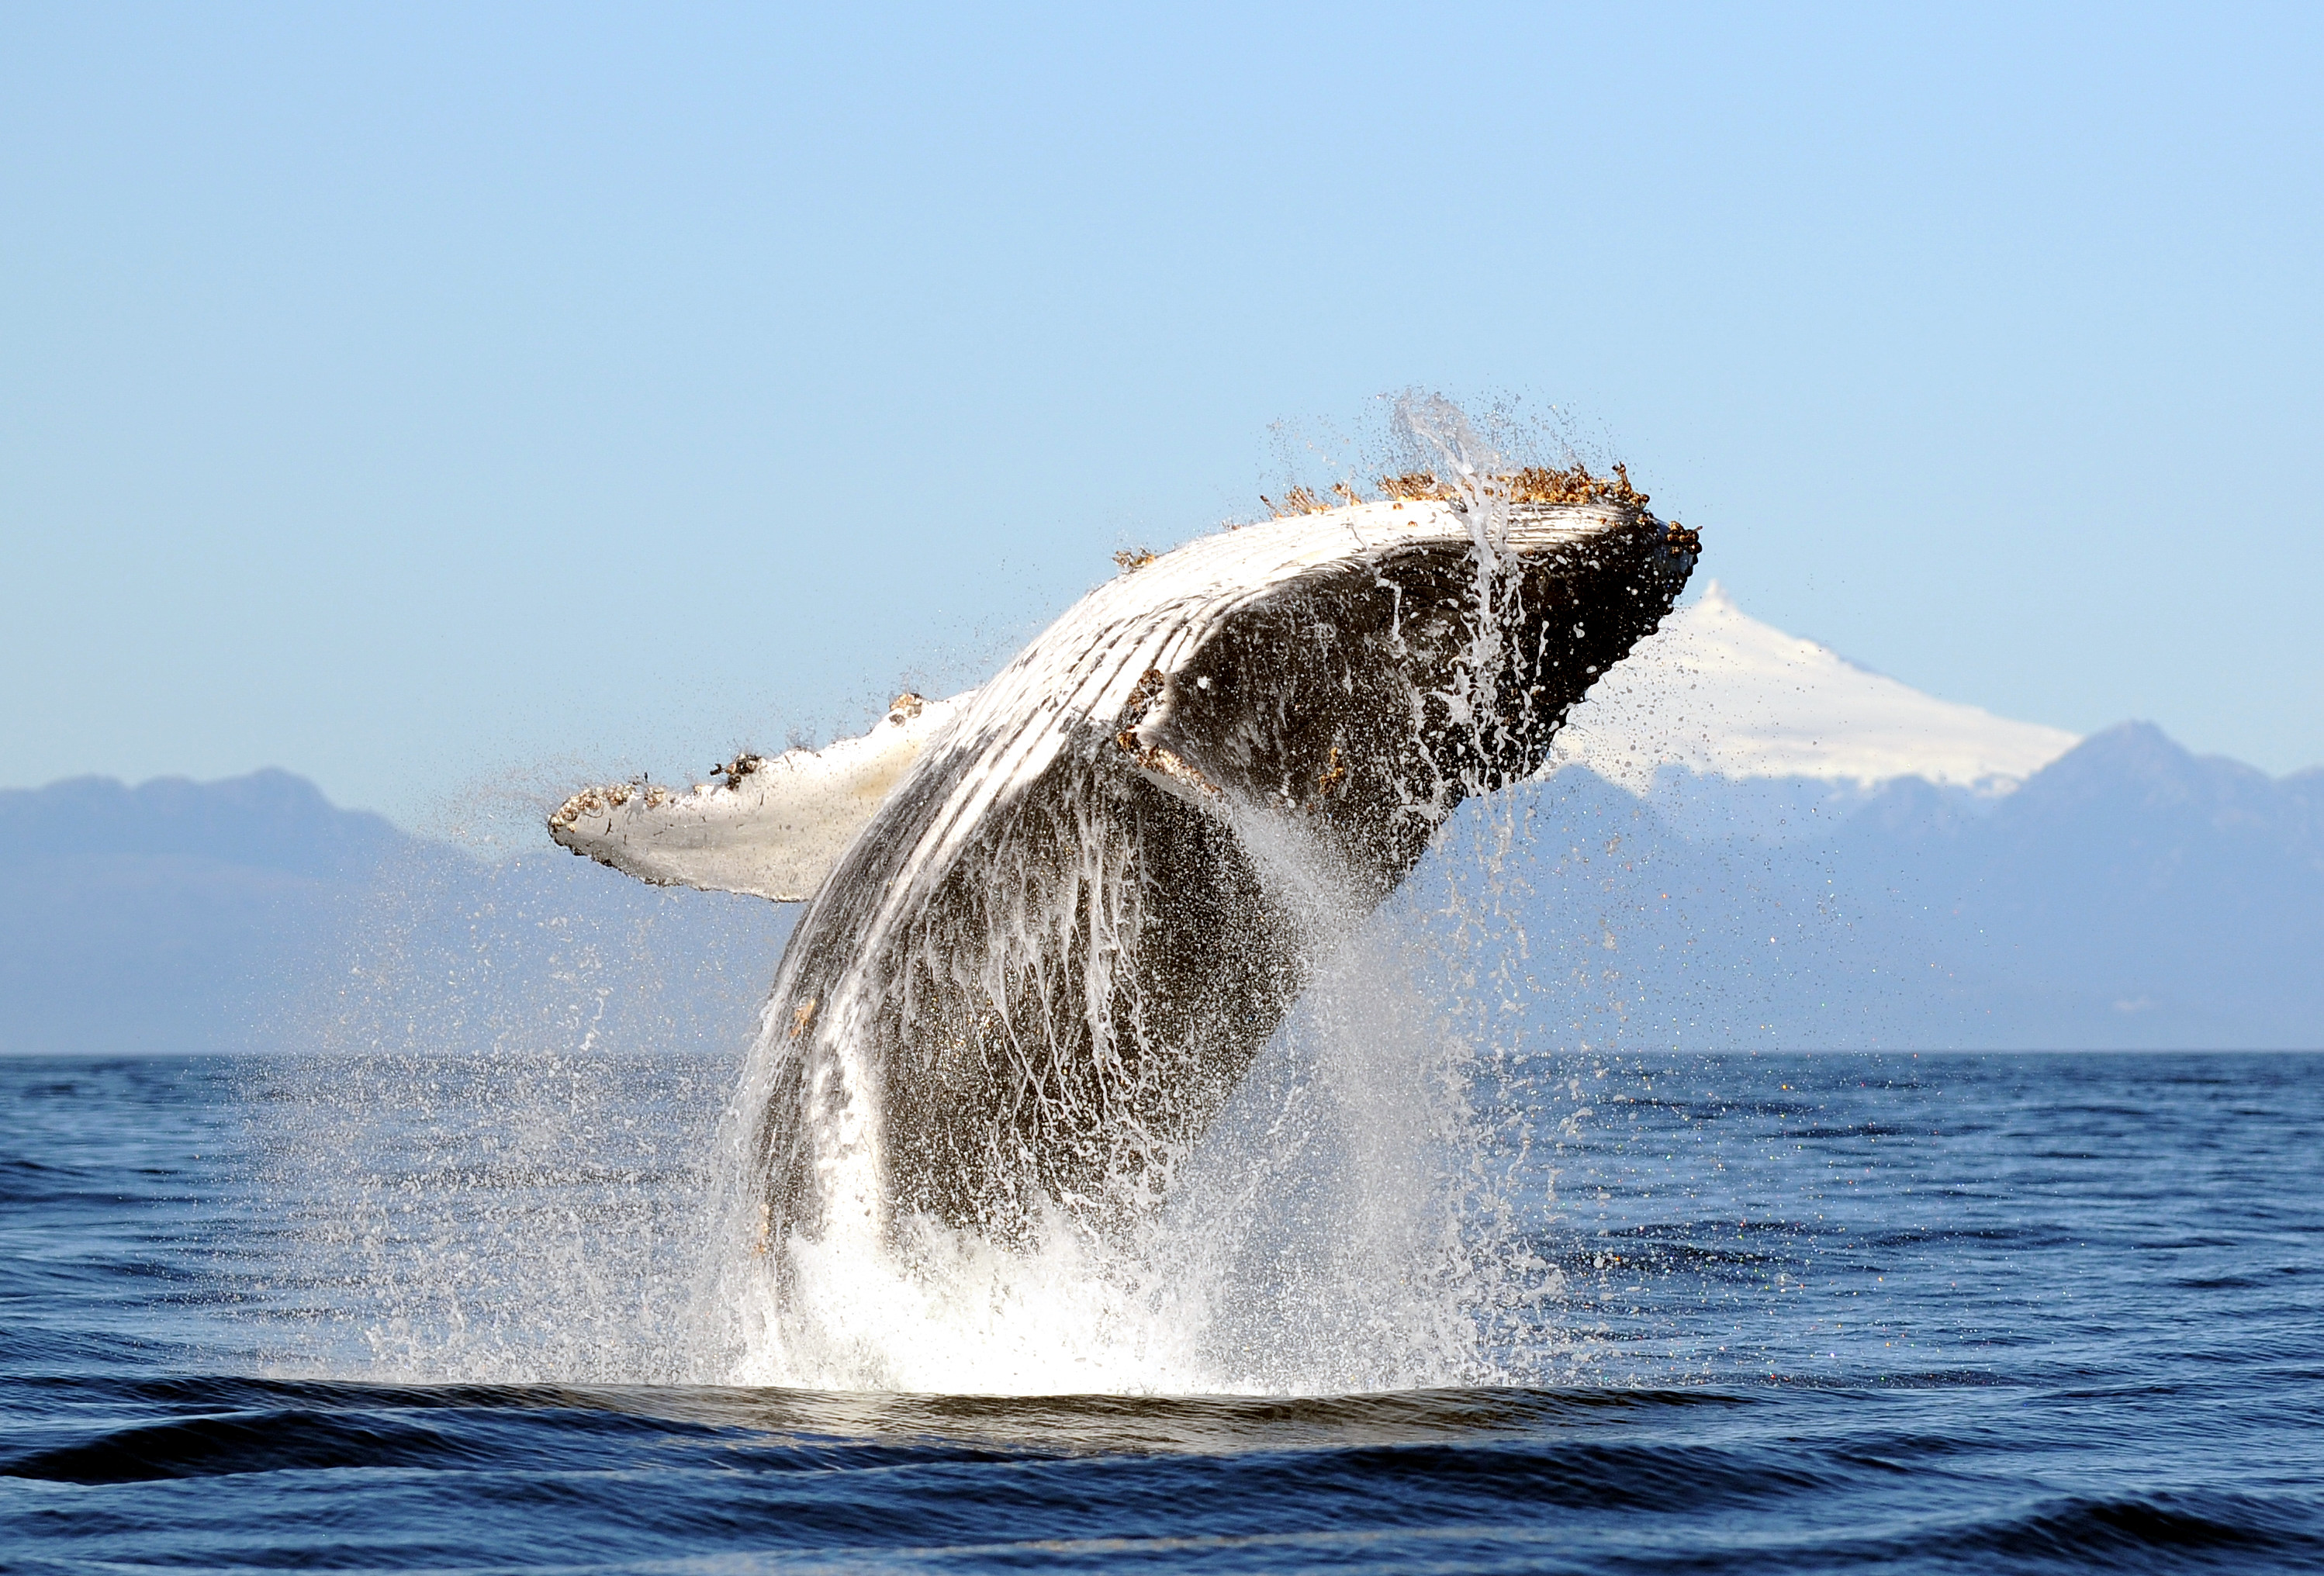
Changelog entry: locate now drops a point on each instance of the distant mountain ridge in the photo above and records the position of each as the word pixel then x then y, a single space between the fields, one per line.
pixel 2129 894
pixel 2161 883
pixel 252 913
pixel 269 820
pixel 157 916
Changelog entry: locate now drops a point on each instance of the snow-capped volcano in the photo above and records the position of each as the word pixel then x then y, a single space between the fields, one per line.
pixel 1718 691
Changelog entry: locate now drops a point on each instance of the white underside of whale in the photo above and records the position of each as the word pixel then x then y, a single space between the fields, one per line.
pixel 773 830
pixel 777 830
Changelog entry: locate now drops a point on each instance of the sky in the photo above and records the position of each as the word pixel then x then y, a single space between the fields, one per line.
pixel 429 400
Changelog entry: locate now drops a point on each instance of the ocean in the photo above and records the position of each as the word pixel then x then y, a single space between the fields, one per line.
pixel 1828 1313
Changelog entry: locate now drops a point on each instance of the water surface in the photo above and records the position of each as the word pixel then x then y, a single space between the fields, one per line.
pixel 1828 1313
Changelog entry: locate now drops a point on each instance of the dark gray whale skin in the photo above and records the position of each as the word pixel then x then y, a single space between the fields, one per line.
pixel 1047 1010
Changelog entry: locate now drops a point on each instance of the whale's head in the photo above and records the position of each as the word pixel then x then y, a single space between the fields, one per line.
pixel 1427 653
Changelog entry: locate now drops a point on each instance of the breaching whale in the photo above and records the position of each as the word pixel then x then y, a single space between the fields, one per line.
pixel 1041 942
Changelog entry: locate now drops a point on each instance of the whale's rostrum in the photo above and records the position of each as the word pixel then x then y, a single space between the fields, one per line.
pixel 1043 938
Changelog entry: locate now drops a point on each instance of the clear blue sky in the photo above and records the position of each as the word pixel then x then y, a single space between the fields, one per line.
pixel 418 396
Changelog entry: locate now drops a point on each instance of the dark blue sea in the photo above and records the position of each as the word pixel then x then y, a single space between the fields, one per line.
pixel 1828 1313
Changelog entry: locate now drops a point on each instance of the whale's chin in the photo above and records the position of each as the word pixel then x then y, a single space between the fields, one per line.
pixel 1053 920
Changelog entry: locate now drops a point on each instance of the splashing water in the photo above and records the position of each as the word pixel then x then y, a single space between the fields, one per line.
pixel 1360 1214
pixel 489 1165
pixel 1349 1223
pixel 1346 1224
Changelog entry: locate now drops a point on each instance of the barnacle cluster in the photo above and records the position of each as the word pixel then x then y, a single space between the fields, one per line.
pixel 1572 483
pixel 744 764
pixel 605 800
pixel 1298 500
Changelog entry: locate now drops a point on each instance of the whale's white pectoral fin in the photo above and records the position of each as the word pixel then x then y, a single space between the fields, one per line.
pixel 773 827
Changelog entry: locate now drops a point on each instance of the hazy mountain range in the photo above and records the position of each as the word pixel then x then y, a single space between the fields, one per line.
pixel 253 914
pixel 1748 842
pixel 1863 864
pixel 2128 895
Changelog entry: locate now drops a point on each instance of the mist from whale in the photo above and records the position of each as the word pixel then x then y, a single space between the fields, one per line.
pixel 1052 923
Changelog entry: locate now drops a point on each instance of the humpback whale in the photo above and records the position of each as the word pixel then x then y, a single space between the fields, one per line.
pixel 1046 928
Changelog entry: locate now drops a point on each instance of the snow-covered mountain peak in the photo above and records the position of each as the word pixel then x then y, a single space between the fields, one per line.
pixel 1720 693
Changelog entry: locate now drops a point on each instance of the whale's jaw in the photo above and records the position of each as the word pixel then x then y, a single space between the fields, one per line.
pixel 1033 979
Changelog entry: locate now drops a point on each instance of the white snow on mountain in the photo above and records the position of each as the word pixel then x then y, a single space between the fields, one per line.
pixel 1720 693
